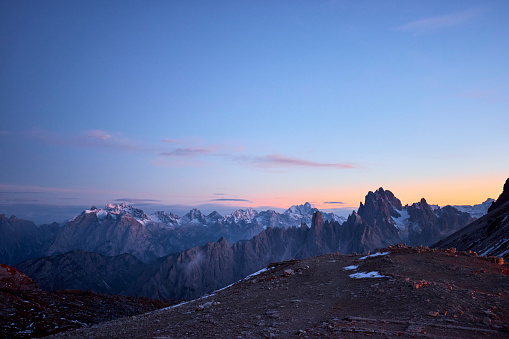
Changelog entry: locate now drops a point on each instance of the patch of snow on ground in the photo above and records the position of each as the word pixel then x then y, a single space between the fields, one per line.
pixel 361 275
pixel 214 293
pixel 265 269
pixel 402 222
pixel 374 255
pixel 349 268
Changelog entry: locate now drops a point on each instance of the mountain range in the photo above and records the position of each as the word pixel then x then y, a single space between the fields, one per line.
pixel 118 229
pixel 109 250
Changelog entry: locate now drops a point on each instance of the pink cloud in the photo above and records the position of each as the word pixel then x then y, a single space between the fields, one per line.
pixel 278 160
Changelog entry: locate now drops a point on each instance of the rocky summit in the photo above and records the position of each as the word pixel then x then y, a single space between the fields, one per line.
pixel 397 292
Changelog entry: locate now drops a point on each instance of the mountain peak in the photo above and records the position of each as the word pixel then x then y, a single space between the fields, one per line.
pixel 304 209
pixel 194 216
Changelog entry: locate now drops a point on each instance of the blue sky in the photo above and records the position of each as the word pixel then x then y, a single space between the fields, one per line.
pixel 252 104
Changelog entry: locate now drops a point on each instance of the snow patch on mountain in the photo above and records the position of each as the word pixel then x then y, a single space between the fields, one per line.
pixel 402 222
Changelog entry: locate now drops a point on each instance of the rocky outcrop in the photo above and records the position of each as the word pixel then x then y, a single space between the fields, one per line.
pixel 13 280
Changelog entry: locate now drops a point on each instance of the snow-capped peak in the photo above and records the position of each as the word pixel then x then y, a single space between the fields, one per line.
pixel 162 217
pixel 118 211
pixel 476 211
pixel 194 216
pixel 305 209
pixel 246 216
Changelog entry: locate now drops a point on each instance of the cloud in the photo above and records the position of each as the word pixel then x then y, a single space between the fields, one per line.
pixel 19 189
pixel 136 201
pixel 437 22
pixel 22 200
pixel 91 138
pixel 334 202
pixel 278 160
pixel 231 199
pixel 98 134
pixel 171 141
pixel 5 132
pixel 189 151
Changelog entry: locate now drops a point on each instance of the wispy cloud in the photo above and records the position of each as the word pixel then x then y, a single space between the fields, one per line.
pixel 231 199
pixel 334 202
pixel 437 22
pixel 170 141
pixel 189 151
pixel 273 161
pixel 193 153
pixel 22 200
pixel 20 189
pixel 5 132
pixel 98 134
pixel 136 201
pixel 91 138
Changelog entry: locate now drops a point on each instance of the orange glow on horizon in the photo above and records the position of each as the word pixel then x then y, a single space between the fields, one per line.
pixel 456 191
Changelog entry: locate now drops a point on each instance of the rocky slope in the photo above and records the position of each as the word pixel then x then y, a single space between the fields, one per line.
pixel 26 311
pixel 488 235
pixel 406 292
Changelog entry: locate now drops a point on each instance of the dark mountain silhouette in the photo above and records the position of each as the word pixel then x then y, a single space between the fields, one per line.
pixel 21 239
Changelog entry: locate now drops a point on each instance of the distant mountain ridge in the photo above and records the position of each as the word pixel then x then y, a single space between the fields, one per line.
pixel 122 228
pixel 380 221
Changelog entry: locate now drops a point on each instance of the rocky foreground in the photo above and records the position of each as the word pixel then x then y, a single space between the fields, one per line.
pixel 408 292
pixel 27 311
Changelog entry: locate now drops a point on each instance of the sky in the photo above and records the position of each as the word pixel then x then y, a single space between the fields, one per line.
pixel 263 104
